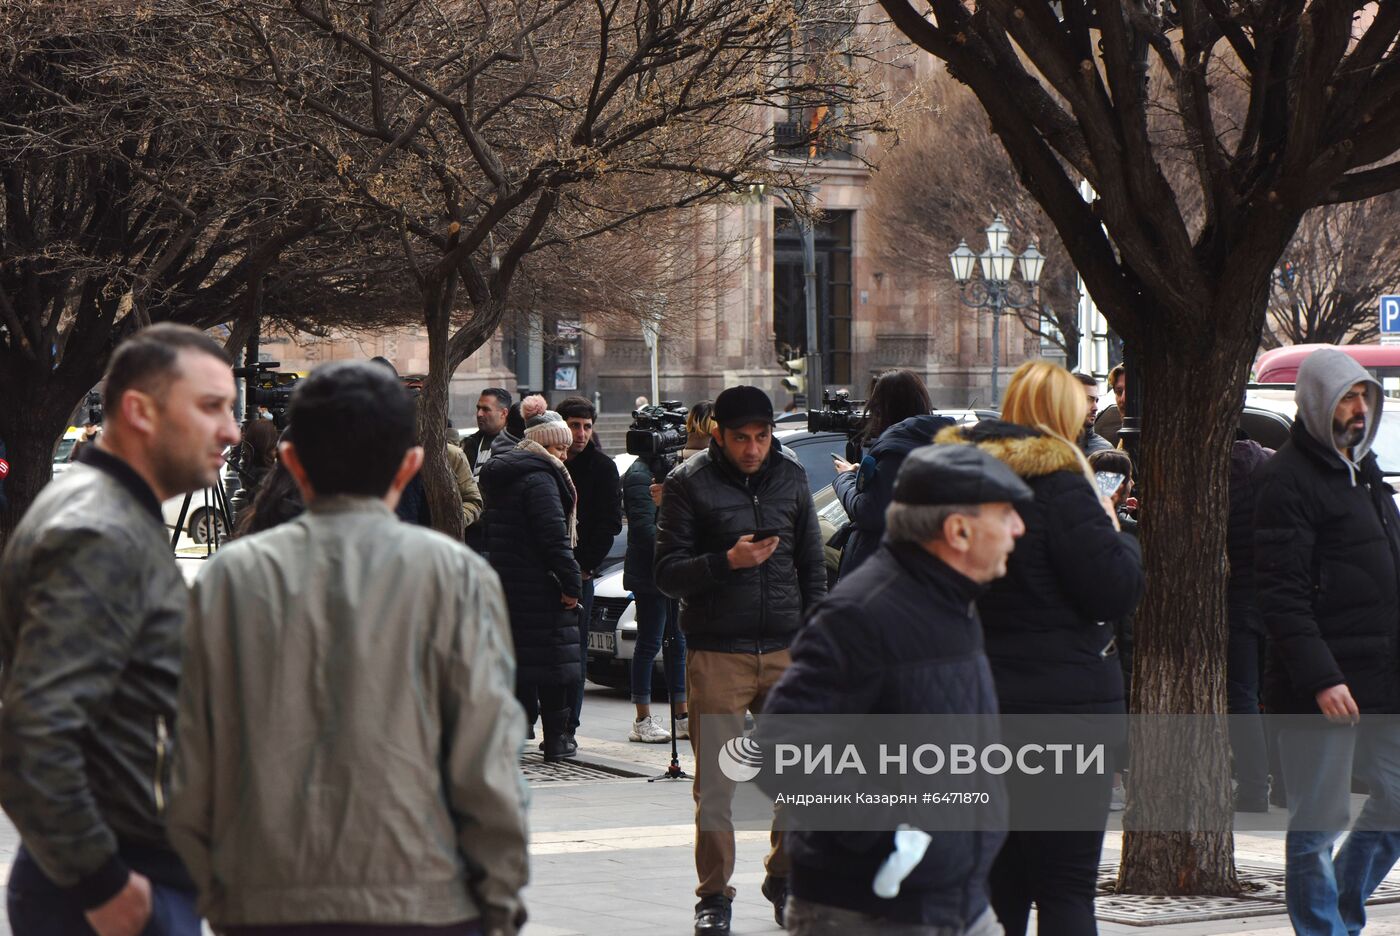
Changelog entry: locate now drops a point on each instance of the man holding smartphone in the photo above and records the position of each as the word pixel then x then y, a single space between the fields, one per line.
pixel 738 543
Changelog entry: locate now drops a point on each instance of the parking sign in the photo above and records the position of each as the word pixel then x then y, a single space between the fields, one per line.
pixel 1390 315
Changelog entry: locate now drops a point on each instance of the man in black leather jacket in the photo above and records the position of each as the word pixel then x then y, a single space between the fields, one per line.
pixel 743 599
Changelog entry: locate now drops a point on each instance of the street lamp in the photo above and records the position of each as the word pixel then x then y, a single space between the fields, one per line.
pixel 996 290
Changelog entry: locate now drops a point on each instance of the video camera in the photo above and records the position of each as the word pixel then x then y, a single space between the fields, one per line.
pixel 264 385
pixel 838 413
pixel 657 435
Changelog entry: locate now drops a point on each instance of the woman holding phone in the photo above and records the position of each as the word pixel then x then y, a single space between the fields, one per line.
pixel 897 421
pixel 1049 636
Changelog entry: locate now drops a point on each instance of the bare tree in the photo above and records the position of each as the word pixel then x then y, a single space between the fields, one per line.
pixel 490 130
pixel 1327 287
pixel 918 216
pixel 1271 109
pixel 129 197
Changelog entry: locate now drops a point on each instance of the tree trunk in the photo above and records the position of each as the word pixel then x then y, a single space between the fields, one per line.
pixel 444 500
pixel 34 420
pixel 1192 390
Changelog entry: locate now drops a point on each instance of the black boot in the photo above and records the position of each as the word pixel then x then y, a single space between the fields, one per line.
pixel 556 735
pixel 776 890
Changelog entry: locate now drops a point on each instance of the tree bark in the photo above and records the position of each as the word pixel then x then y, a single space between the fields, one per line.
pixel 444 500
pixel 1192 395
pixel 35 418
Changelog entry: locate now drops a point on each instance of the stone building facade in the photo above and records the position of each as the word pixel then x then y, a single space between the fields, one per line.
pixel 872 319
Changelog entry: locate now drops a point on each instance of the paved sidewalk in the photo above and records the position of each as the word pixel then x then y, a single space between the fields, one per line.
pixel 614 857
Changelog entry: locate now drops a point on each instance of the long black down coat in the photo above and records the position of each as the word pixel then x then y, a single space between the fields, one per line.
pixel 1327 571
pixel 529 502
pixel 1048 623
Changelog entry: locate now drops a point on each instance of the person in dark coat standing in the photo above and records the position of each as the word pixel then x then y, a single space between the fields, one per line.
pixel 1327 579
pixel 599 518
pixel 1048 629
pixel 658 629
pixel 900 636
pixel 530 533
pixel 897 422
pixel 743 595
pixel 1244 664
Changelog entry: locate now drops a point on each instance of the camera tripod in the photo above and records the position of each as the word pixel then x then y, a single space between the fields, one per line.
pixel 217 515
pixel 673 770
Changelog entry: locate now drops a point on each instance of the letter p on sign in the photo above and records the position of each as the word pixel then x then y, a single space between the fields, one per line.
pixel 1390 315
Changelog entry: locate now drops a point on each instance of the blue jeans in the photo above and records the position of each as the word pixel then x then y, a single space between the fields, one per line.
pixel 585 621
pixel 658 617
pixel 37 907
pixel 1327 896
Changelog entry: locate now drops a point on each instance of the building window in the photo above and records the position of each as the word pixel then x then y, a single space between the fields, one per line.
pixel 831 237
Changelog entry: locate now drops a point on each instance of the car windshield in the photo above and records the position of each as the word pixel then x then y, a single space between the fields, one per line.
pixel 65 449
pixel 1387 444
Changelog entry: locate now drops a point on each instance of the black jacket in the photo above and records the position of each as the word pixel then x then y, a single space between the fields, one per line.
pixel 866 492
pixel 1048 622
pixel 1327 566
pixel 707 506
pixel 528 505
pixel 1246 457
pixel 599 504
pixel 641 529
pixel 472 445
pixel 898 636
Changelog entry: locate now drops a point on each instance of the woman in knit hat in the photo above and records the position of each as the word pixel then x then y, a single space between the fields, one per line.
pixel 530 535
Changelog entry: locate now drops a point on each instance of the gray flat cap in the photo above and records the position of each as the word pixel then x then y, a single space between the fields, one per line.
pixel 957 474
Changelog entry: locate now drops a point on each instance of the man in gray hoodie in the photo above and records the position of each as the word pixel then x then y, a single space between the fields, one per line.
pixel 1327 563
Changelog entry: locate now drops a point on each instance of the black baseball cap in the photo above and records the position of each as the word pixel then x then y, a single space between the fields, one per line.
pixel 741 406
pixel 957 474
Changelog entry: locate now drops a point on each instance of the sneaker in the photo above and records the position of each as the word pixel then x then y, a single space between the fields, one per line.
pixel 648 730
pixel 1118 800
pixel 683 728
pixel 712 915
pixel 776 889
pixel 1257 803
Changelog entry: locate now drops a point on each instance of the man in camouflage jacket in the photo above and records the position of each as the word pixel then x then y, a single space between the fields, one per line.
pixel 92 606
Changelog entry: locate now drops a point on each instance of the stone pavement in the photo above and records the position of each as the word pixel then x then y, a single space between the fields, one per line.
pixel 614 857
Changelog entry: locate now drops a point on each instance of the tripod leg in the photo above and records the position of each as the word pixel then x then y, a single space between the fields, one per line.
pixel 180 523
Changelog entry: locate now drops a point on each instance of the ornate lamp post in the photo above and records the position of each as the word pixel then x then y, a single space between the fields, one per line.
pixel 996 290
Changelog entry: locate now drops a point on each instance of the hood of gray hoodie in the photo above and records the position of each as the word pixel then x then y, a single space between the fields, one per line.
pixel 1324 378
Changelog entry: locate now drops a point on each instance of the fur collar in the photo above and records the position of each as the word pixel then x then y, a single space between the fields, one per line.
pixel 1029 453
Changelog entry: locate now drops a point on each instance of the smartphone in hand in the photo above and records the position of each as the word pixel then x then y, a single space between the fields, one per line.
pixel 764 534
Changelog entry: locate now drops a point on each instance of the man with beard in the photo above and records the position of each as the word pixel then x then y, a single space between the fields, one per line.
pixel 1327 562
pixel 1089 440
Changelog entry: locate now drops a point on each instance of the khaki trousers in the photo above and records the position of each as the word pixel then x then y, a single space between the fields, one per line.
pixel 726 684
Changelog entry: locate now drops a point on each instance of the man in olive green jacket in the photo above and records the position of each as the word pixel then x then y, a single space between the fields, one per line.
pixel 348 732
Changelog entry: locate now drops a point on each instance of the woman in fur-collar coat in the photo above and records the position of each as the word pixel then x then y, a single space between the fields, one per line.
pixel 1049 632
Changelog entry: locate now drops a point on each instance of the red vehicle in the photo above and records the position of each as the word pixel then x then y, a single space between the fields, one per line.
pixel 1280 366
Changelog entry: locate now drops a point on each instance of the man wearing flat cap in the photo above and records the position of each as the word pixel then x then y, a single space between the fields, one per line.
pixel 737 542
pixel 900 636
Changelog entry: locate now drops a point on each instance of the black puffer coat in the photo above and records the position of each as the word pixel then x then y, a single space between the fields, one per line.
pixel 867 491
pixel 1327 564
pixel 529 503
pixel 707 506
pixel 1246 457
pixel 641 529
pixel 1048 622
pixel 898 636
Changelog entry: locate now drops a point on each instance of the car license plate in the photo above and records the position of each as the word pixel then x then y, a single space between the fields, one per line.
pixel 603 642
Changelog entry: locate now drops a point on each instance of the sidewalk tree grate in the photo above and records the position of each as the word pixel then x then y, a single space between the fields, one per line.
pixel 534 768
pixel 1263 895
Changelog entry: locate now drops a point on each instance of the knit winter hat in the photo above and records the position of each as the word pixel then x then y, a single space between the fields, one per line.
pixel 548 429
